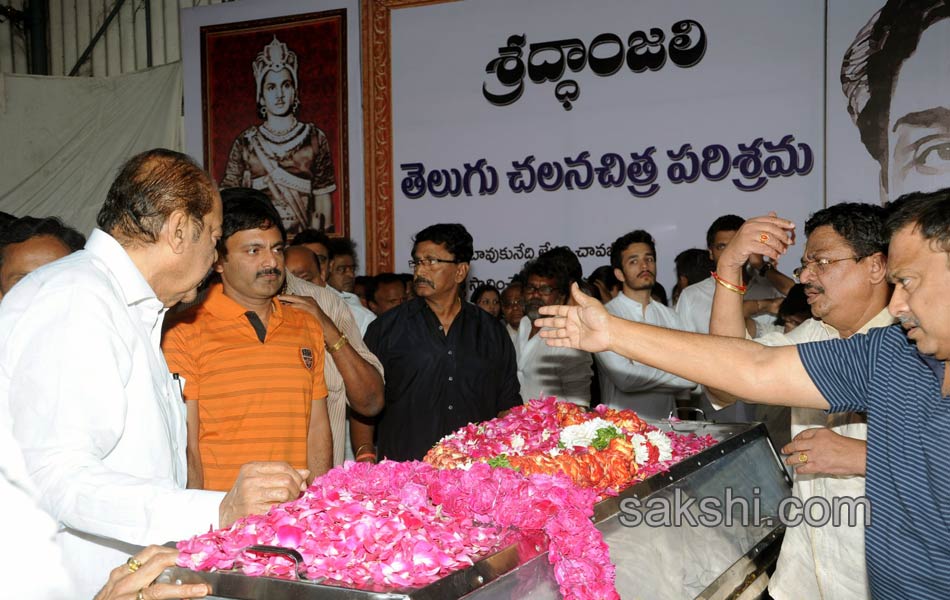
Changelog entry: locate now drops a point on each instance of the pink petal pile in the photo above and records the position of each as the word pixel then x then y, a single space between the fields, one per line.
pixel 396 525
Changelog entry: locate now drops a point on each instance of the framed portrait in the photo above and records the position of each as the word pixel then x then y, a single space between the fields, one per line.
pixel 274 114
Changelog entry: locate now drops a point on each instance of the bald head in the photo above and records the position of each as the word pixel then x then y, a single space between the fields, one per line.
pixel 302 262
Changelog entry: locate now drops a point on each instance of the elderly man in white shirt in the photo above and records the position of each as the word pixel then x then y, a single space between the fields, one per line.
pixel 843 271
pixel 542 369
pixel 624 383
pixel 98 416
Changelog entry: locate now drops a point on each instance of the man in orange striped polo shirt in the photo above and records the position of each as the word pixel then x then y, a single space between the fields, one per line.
pixel 252 367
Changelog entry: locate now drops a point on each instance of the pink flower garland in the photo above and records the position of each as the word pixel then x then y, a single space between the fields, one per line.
pixel 409 524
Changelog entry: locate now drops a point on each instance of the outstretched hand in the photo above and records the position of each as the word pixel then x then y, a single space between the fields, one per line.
pixel 585 326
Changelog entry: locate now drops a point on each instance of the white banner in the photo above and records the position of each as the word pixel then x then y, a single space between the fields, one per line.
pixel 548 122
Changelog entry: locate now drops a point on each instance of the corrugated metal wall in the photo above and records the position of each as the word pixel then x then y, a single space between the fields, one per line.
pixel 123 48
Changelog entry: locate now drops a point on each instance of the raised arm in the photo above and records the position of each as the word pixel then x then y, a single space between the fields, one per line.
pixel 739 367
pixel 768 236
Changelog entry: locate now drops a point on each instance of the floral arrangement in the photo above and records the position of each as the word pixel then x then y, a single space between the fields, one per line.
pixel 604 449
pixel 408 524
pixel 535 473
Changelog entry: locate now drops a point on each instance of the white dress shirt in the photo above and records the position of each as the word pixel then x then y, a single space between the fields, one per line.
pixel 99 419
pixel 27 530
pixel 513 332
pixel 361 314
pixel 543 370
pixel 625 383
pixel 823 562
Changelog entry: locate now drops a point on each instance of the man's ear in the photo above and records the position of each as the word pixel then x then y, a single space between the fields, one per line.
pixel 461 272
pixel 177 231
pixel 618 273
pixel 877 267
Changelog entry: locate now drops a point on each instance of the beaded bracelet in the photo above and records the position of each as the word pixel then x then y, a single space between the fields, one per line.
pixel 739 289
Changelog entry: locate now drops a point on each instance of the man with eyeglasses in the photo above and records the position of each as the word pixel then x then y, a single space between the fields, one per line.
pixel 625 383
pixel 542 370
pixel 898 375
pixel 448 363
pixel 843 271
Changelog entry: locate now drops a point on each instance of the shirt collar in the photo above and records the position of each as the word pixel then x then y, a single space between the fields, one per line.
pixel 881 319
pixel 225 308
pixel 135 289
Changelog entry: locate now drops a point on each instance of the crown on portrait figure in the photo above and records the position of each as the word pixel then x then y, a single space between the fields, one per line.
pixel 274 57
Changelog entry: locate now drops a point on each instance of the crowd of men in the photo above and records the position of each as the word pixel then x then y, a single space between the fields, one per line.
pixel 189 364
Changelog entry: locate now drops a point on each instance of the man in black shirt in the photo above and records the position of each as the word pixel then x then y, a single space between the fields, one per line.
pixel 447 362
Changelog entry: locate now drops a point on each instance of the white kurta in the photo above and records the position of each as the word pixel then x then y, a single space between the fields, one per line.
pixel 96 412
pixel 823 562
pixel 548 371
pixel 625 383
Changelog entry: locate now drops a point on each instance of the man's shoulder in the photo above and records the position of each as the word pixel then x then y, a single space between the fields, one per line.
pixel 80 275
pixel 698 289
pixel 395 316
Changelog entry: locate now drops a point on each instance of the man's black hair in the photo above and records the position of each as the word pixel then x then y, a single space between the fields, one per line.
pixel 310 236
pixel 927 212
pixel 861 225
pixel 26 228
pixel 5 219
pixel 637 236
pixel 341 246
pixel 551 266
pixel 456 239
pixel 244 209
pixel 373 283
pixel 605 275
pixel 723 223
pixel 694 264
pixel 570 261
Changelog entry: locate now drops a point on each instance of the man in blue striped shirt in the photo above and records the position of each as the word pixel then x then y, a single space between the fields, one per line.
pixel 900 378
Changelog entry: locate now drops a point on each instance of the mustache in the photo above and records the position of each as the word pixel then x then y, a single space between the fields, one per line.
pixel 273 271
pixel 908 320
pixel 812 286
pixel 642 273
pixel 423 281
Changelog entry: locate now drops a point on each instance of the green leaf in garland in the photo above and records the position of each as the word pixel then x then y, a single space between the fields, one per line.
pixel 603 436
pixel 500 461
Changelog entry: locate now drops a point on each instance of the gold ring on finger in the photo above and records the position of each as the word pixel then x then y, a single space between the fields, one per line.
pixel 141 594
pixel 764 237
pixel 803 458
pixel 133 564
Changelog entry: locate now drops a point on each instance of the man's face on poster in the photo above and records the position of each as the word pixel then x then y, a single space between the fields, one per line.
pixel 918 129
pixel 278 93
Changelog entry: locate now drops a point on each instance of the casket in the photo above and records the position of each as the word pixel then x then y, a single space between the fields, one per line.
pixel 707 528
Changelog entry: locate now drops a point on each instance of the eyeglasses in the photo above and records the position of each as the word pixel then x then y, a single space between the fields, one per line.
pixel 819 265
pixel 544 290
pixel 344 269
pixel 415 263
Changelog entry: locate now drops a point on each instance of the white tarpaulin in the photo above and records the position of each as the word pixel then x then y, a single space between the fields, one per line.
pixel 63 138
